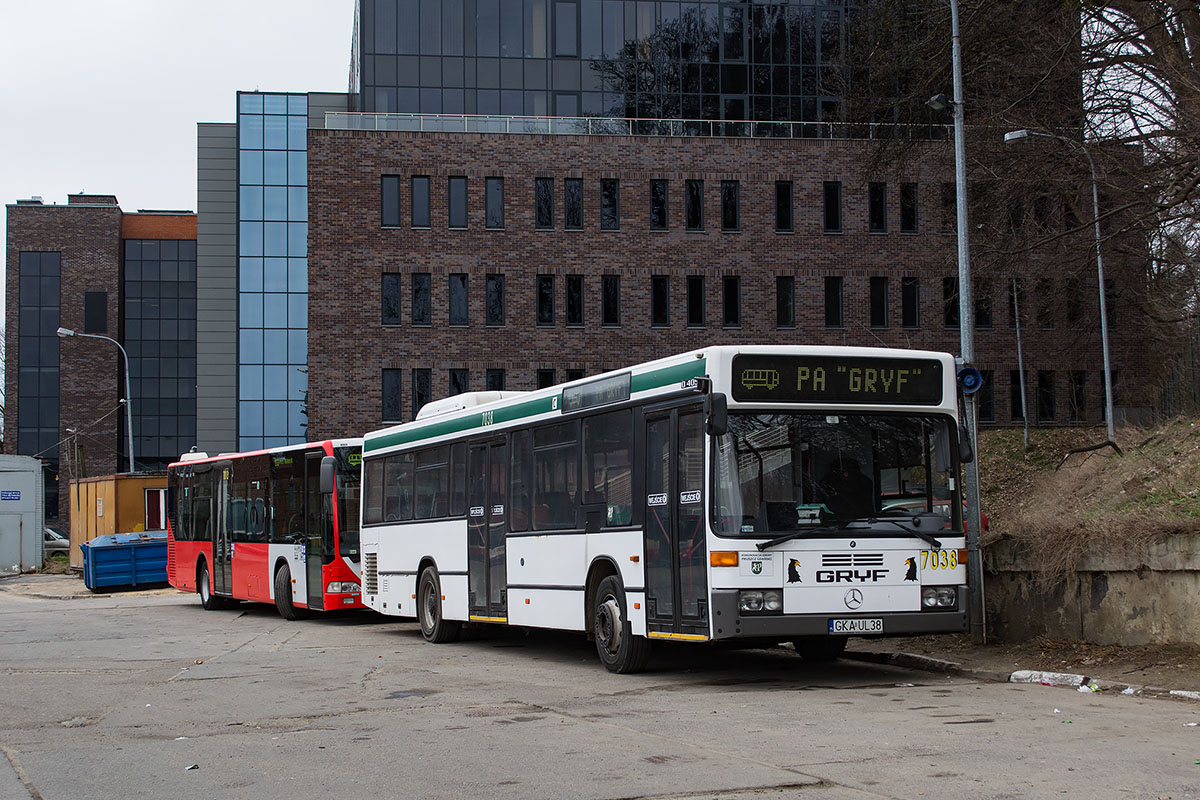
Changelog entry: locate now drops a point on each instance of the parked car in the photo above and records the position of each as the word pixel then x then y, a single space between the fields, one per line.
pixel 54 542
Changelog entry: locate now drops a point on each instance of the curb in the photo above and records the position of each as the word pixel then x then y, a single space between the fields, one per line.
pixel 1080 683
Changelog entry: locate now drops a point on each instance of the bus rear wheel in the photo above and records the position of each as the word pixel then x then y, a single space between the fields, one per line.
pixel 619 650
pixel 819 650
pixel 434 627
pixel 208 600
pixel 283 595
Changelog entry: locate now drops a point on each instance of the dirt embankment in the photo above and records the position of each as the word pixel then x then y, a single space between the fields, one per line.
pixel 1060 504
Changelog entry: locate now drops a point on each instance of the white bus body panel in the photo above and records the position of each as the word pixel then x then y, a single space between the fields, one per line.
pixel 294 554
pixel 400 548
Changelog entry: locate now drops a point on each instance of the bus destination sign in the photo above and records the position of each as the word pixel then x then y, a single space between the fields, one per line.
pixel 837 379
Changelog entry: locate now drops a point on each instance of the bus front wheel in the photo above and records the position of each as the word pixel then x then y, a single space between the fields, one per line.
pixel 208 600
pixel 434 627
pixel 619 650
pixel 283 595
pixel 827 649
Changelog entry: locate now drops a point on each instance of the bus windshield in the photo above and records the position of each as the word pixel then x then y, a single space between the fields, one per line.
pixel 349 484
pixel 777 473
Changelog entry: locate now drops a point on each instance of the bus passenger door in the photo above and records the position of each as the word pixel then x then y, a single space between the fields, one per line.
pixel 317 519
pixel 675 552
pixel 222 542
pixel 486 525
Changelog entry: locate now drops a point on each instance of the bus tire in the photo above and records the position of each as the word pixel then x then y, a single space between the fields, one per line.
pixel 434 627
pixel 829 648
pixel 619 650
pixel 208 600
pixel 283 595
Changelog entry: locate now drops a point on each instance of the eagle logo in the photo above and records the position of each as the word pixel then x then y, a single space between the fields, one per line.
pixel 794 571
pixel 911 575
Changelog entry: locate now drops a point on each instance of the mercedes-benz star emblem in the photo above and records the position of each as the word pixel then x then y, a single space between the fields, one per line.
pixel 853 599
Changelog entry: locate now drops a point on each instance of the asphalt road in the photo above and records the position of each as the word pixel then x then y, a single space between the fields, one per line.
pixel 117 697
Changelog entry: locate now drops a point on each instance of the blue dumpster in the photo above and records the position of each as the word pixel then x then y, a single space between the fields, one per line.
pixel 125 559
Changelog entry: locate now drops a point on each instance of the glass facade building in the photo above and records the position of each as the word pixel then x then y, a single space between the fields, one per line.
pixel 38 365
pixel 618 58
pixel 272 269
pixel 160 338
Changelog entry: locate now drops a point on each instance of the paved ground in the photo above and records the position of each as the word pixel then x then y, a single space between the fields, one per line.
pixel 117 696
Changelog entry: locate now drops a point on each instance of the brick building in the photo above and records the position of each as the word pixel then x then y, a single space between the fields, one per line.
pixel 91 268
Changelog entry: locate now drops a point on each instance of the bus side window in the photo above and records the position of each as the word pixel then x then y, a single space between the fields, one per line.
pixel 458 479
pixel 398 488
pixel 519 495
pixel 287 498
pixel 433 483
pixel 607 464
pixel 373 492
pixel 555 476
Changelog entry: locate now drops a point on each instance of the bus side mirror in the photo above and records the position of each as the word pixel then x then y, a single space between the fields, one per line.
pixel 327 472
pixel 966 453
pixel 718 415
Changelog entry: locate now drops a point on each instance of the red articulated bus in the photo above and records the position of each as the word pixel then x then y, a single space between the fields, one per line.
pixel 272 526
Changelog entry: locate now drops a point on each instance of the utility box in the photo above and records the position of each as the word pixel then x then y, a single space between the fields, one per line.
pixel 130 560
pixel 116 504
pixel 22 514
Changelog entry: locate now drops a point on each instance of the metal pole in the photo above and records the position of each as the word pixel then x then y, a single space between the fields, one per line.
pixel 966 320
pixel 1108 401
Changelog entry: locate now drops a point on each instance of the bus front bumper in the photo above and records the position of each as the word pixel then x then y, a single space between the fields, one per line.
pixel 729 623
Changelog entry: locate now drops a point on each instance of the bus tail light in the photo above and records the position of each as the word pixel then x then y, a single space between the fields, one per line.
pixel 343 587
pixel 723 558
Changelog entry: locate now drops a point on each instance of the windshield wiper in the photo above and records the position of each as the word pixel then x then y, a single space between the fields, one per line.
pixel 787 537
pixel 928 537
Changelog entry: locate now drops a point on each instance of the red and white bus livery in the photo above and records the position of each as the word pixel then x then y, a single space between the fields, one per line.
pixel 272 526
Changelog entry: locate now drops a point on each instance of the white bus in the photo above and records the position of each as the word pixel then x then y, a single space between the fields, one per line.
pixel 771 493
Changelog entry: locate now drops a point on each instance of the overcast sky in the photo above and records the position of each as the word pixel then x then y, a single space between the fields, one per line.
pixel 103 96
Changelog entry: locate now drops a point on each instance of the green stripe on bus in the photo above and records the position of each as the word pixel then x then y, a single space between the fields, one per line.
pixel 530 408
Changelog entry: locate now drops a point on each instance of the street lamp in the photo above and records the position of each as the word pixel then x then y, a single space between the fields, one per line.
pixel 1016 136
pixel 66 333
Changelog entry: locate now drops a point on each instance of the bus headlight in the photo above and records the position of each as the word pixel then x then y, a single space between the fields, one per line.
pixel 756 601
pixel 750 601
pixel 343 587
pixel 939 597
pixel 773 600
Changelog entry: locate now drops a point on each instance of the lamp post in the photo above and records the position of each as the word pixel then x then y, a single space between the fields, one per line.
pixel 1016 136
pixel 66 333
pixel 966 318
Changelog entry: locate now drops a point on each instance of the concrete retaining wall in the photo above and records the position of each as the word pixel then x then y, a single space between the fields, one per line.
pixel 1147 596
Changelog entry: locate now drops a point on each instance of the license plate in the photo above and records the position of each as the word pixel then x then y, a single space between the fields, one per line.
pixel 856 626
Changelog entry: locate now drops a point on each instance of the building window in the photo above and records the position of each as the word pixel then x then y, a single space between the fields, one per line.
pixel 986 398
pixel 545 378
pixel 421 313
pixel 1110 303
pixel 785 301
pixel 1045 396
pixel 495 380
pixel 1016 301
pixel 543 194
pixel 575 375
pixel 494 197
pixel 95 312
pixel 391 395
pixel 389 201
pixel 573 204
pixel 950 302
pixel 1046 301
pixel 783 206
pixel 38 359
pixel 459 381
pixel 908 208
pixel 660 301
pixel 545 300
pixel 566 30
pixel 877 207
pixel 949 208
pixel 658 205
pixel 1016 401
pixel 419 192
pixel 574 300
pixel 610 300
pixel 730 212
pixel 458 298
pixel 422 391
pixel 693 205
pixel 458 202
pixel 833 301
pixel 494 310
pixel 910 302
pixel 695 301
pixel 879 301
pixel 610 204
pixel 983 305
pixel 390 298
pixel 833 207
pixel 1077 399
pixel 731 302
